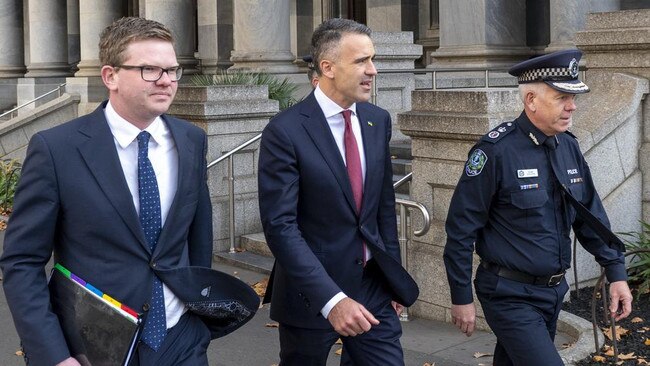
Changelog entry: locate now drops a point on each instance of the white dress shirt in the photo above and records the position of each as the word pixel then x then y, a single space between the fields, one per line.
pixel 164 159
pixel 332 112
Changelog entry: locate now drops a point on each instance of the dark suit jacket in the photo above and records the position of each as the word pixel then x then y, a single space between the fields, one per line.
pixel 308 213
pixel 73 200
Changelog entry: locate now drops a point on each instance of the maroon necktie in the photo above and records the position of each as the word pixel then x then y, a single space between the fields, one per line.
pixel 353 163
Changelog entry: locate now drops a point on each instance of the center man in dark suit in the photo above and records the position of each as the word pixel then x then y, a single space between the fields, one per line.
pixel 328 210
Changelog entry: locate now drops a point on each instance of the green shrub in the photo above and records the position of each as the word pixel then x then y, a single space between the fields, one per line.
pixel 9 174
pixel 639 269
pixel 280 90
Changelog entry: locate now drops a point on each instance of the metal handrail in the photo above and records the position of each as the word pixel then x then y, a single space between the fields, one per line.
pixel 404 206
pixel 11 111
pixel 231 186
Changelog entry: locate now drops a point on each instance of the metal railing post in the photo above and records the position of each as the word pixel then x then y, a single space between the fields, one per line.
pixel 403 240
pixel 231 203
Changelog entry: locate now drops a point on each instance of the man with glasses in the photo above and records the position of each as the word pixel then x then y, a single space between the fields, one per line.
pixel 120 196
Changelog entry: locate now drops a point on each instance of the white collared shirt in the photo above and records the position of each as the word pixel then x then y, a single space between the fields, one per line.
pixel 164 159
pixel 332 112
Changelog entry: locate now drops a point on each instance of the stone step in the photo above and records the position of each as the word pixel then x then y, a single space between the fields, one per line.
pixel 255 243
pixel 401 151
pixel 247 260
pixel 618 19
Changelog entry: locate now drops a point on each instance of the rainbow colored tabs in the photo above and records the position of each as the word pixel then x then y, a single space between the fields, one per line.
pixel 121 308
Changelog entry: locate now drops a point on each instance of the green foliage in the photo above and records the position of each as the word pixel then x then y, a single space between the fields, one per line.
pixel 639 270
pixel 9 174
pixel 280 90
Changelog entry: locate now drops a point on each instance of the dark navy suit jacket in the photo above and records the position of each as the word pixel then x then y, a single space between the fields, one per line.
pixel 308 213
pixel 73 200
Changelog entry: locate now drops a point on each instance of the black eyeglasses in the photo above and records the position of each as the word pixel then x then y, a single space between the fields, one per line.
pixel 154 73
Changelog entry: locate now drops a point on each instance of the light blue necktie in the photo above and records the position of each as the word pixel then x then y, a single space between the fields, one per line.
pixel 156 327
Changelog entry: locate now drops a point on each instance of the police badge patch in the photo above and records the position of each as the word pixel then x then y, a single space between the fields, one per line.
pixel 475 163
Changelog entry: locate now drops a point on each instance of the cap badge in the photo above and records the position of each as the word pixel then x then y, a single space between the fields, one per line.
pixel 573 68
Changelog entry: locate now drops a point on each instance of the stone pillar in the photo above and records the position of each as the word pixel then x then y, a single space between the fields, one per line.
pixel 395 51
pixel 179 17
pixel 12 64
pixel 48 38
pixel 73 34
pixel 569 17
pixel 230 115
pixel 384 15
pixel 262 42
pixel 481 33
pixel 443 126
pixel 429 28
pixel 215 34
pixel 94 16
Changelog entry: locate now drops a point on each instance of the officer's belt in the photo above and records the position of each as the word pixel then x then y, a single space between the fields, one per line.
pixel 550 281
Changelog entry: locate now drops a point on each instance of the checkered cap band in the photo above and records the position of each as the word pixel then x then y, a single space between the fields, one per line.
pixel 549 73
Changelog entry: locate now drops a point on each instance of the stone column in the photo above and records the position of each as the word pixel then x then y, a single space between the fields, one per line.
pixel 384 15
pixel 12 64
pixel 179 17
pixel 94 16
pixel 215 35
pixel 481 33
pixel 73 33
pixel 569 17
pixel 262 42
pixel 48 38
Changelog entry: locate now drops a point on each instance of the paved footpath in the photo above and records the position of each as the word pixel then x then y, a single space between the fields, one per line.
pixel 256 344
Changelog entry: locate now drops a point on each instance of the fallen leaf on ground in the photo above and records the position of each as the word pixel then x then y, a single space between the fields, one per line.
pixel 567 345
pixel 260 287
pixel 20 353
pixel 637 320
pixel 647 342
pixel 620 362
pixel 429 364
pixel 339 341
pixel 627 356
pixel 271 325
pixel 620 331
pixel 339 351
pixel 641 361
pixel 599 358
pixel 481 354
pixel 609 352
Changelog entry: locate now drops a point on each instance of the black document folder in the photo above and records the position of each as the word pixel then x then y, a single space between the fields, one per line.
pixel 99 330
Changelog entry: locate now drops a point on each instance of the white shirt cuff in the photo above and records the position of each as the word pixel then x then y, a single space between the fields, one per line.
pixel 330 304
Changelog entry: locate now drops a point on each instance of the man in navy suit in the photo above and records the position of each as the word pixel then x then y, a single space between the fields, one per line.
pixel 328 210
pixel 79 198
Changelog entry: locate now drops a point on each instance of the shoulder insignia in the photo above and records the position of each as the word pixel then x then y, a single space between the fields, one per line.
pixel 497 133
pixel 475 163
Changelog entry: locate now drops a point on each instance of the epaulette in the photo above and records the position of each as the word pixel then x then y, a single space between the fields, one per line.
pixel 498 132
pixel 570 134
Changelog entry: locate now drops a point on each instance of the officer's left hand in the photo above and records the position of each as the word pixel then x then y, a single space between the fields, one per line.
pixel 620 300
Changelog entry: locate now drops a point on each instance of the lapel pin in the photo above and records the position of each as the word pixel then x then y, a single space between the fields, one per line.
pixel 370 123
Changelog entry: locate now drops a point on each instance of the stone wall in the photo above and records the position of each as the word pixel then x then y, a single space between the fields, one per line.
pixel 230 115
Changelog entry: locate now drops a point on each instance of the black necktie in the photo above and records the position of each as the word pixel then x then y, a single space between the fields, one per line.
pixel 603 232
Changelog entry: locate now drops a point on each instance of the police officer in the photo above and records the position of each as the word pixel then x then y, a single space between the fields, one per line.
pixel 510 205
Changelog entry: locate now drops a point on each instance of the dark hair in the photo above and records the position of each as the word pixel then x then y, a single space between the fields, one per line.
pixel 115 38
pixel 327 36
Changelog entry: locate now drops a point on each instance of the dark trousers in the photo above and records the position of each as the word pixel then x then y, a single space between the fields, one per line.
pixel 523 317
pixel 379 346
pixel 185 344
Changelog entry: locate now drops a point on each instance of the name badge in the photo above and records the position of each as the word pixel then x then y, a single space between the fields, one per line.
pixel 527 173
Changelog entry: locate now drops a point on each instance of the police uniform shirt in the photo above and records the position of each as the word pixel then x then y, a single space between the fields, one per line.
pixel 509 204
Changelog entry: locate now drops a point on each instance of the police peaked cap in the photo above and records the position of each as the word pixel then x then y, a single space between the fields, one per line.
pixel 559 70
